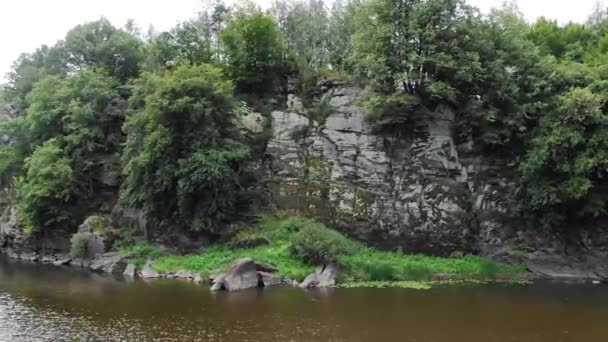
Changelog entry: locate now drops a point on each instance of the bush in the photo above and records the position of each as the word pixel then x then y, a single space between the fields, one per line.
pixel 417 271
pixel 314 243
pixel 293 224
pixel 79 245
pixel 381 272
pixel 138 253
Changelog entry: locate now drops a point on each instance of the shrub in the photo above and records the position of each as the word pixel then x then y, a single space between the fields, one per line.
pixel 314 243
pixel 293 224
pixel 79 245
pixel 138 253
pixel 380 272
pixel 417 271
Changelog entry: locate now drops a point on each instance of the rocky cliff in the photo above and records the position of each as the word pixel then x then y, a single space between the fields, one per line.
pixel 418 191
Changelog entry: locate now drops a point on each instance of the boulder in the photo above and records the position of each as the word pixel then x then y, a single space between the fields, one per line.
pixel 62 261
pixel 112 262
pixel 130 271
pixel 195 277
pixel 80 262
pixel 244 274
pixel 269 279
pixel 147 272
pixel 324 276
pixel 91 230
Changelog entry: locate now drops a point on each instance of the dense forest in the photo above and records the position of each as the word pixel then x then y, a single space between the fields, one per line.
pixel 151 120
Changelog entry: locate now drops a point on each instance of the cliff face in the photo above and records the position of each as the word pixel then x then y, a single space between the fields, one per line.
pixel 420 192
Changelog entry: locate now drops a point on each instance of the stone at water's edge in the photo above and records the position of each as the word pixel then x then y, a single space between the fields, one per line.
pixel 147 272
pixel 324 276
pixel 112 262
pixel 62 262
pixel 130 271
pixel 244 274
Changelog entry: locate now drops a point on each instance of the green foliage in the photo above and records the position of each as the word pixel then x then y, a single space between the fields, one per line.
pixel 69 124
pixel 181 45
pixel 316 244
pixel 47 188
pixel 99 44
pixel 361 265
pixel 140 252
pixel 184 155
pixel 391 112
pixel 380 272
pixel 254 51
pixel 568 160
pixel 371 264
pixel 79 245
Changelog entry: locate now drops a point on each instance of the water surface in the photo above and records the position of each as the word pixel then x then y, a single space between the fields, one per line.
pixel 44 303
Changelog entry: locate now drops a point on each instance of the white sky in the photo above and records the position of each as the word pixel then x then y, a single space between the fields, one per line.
pixel 27 24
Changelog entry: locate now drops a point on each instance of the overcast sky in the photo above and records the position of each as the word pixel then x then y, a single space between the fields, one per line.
pixel 27 24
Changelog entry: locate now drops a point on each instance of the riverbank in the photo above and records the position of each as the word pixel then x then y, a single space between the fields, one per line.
pixel 40 302
pixel 296 246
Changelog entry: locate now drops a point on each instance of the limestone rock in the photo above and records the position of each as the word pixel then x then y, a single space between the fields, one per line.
pixel 324 276
pixel 62 261
pixel 409 193
pixel 242 274
pixel 147 272
pixel 245 273
pixel 270 279
pixel 112 262
pixel 92 231
pixel 130 271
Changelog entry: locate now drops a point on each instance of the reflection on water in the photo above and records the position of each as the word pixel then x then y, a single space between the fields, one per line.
pixel 43 303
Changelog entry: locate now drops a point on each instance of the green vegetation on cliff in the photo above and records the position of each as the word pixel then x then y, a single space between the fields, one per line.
pixel 109 121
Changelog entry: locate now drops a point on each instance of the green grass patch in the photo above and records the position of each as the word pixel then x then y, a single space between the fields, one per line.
pixel 374 265
pixel 138 253
pixel 219 257
pixel 297 244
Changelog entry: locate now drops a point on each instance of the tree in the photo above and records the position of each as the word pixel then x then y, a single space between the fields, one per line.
pixel 47 190
pixel 184 155
pixel 183 44
pixel 341 29
pixel 254 51
pixel 30 68
pixel 567 164
pixel 70 133
pixel 305 24
pixel 99 44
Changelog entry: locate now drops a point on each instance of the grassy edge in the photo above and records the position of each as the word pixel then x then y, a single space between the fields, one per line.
pixel 366 267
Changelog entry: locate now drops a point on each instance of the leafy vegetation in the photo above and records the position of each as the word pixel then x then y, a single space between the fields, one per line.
pixel 313 243
pixel 79 245
pixel 140 252
pixel 184 155
pixel 297 245
pixel 110 118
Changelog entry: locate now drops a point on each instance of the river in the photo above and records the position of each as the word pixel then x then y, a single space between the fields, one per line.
pixel 45 303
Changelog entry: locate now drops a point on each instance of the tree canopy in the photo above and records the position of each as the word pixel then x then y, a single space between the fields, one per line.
pixel 160 113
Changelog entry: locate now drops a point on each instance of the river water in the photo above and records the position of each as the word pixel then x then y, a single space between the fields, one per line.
pixel 44 303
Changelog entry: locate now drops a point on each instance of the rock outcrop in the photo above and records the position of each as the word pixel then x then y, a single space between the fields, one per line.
pixel 112 262
pixel 324 276
pixel 421 189
pixel 244 274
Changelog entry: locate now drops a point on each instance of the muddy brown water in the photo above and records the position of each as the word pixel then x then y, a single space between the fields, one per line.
pixel 45 303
